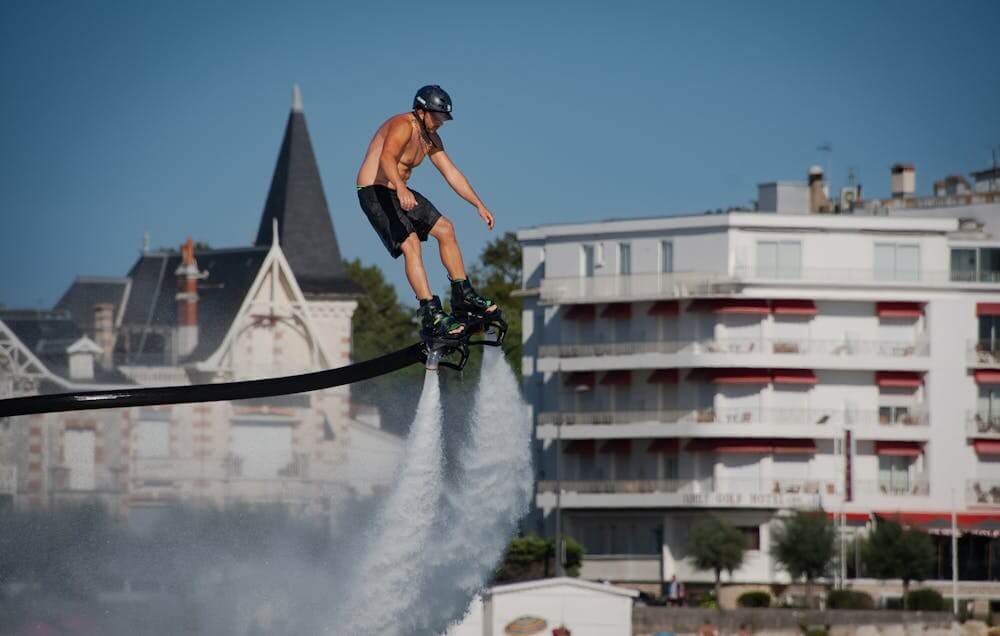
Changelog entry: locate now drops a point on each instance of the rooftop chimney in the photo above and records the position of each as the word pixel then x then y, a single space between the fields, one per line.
pixel 104 331
pixel 817 192
pixel 904 180
pixel 186 331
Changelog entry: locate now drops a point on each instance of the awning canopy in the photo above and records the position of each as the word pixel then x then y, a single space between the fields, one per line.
pixel 617 311
pixel 988 309
pixel 581 379
pixel 851 516
pixel 731 305
pixel 793 307
pixel 898 309
pixel 664 445
pixel 580 312
pixel 617 446
pixel 664 376
pixel 617 378
pixel 964 520
pixel 987 376
pixel 665 308
pixel 794 376
pixel 987 447
pixel 739 376
pixel 897 448
pixel 743 445
pixel 909 379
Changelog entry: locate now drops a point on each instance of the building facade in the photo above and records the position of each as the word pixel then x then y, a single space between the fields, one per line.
pixel 280 306
pixel 753 362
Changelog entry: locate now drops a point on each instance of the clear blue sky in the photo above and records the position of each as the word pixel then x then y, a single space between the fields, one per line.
pixel 119 118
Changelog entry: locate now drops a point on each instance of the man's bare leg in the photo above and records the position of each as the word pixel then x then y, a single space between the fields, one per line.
pixel 415 272
pixel 451 254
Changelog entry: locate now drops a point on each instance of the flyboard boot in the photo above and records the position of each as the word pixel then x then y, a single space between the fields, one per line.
pixel 474 311
pixel 443 335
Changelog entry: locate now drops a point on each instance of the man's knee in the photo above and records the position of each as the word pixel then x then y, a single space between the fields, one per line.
pixel 410 245
pixel 444 230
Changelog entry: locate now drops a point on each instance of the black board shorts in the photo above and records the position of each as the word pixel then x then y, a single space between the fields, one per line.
pixel 391 222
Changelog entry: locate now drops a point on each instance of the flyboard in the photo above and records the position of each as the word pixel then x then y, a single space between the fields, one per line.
pixel 450 352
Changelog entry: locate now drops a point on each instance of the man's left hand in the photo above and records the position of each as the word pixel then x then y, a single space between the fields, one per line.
pixel 486 216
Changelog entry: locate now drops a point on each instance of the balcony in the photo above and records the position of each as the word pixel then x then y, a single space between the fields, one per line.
pixel 651 286
pixel 983 353
pixel 982 492
pixel 708 492
pixel 712 422
pixel 743 346
pixel 983 425
pixel 896 487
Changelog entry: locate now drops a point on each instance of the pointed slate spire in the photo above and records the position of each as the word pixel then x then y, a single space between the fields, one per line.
pixel 297 204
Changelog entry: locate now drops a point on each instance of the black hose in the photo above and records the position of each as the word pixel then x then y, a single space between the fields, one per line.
pixel 124 398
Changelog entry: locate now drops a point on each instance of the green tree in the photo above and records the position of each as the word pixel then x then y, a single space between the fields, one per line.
pixel 804 543
pixel 716 545
pixel 531 557
pixel 894 552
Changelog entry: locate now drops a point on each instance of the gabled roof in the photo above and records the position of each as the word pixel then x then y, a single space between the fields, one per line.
pixel 564 581
pixel 87 291
pixel 297 201
pixel 152 304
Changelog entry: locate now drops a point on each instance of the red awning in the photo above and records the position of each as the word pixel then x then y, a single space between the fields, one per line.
pixel 988 309
pixel 793 307
pixel 739 376
pixel 664 376
pixel 851 516
pixel 617 378
pixel 794 376
pixel 794 447
pixel 899 448
pixel 580 447
pixel 665 308
pixel 617 446
pixel 580 312
pixel 896 309
pixel 965 520
pixel 899 378
pixel 987 376
pixel 731 306
pixel 664 445
pixel 618 311
pixel 581 379
pixel 987 446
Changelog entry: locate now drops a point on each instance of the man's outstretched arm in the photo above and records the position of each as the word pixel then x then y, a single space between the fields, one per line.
pixel 460 184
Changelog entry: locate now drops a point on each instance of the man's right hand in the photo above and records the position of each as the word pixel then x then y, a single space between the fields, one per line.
pixel 406 199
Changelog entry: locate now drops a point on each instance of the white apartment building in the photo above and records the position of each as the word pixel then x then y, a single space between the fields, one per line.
pixel 752 362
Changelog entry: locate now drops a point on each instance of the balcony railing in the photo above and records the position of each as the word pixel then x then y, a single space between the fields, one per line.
pixel 831 347
pixel 983 424
pixel 833 417
pixel 984 353
pixel 897 487
pixel 687 284
pixel 982 492
pixel 823 486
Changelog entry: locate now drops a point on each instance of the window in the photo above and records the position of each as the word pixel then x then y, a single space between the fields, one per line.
pixel 897 261
pixel 989 264
pixel 152 439
pixel 779 259
pixel 78 452
pixel 751 536
pixel 587 261
pixel 989 333
pixel 264 450
pixel 667 257
pixel 624 259
pixel 963 264
pixel 894 474
pixel 895 415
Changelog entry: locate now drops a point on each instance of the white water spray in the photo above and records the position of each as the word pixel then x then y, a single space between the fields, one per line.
pixel 480 516
pixel 391 573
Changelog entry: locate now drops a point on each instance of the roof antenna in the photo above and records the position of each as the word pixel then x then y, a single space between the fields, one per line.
pixel 274 231
pixel 145 242
pixel 296 99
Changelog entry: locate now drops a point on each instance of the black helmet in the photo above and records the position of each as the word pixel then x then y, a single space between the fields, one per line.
pixel 433 98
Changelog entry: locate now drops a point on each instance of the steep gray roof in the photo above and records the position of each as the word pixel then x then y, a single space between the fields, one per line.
pixel 85 292
pixel 297 201
pixel 152 304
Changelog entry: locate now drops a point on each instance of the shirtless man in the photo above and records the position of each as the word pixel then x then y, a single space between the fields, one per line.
pixel 403 217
